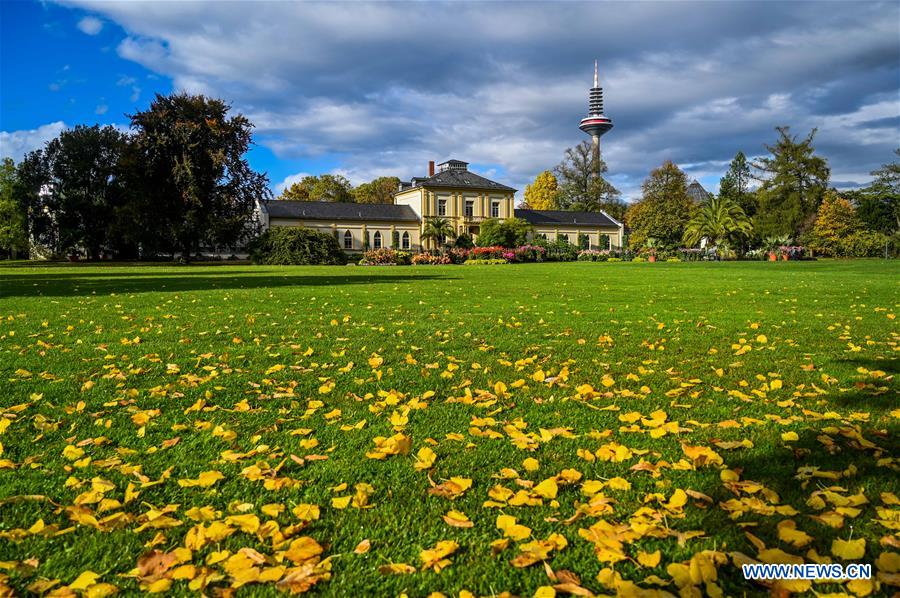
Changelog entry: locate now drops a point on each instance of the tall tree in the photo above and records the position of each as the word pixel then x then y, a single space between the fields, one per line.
pixel 581 189
pixel 719 220
pixel 201 186
pixel 13 238
pixel 664 210
pixel 74 186
pixel 735 185
pixel 794 180
pixel 835 221
pixel 324 187
pixel 878 204
pixel 380 190
pixel 543 193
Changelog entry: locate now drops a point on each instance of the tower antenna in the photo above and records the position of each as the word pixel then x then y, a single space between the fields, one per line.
pixel 595 123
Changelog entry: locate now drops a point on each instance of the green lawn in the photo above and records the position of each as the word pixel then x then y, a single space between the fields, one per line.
pixel 683 408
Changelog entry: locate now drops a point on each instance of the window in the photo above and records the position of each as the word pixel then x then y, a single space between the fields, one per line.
pixel 542 236
pixel 584 241
pixel 377 239
pixel 470 208
pixel 442 207
pixel 495 209
pixel 348 240
pixel 604 241
pixel 562 237
pixel 405 244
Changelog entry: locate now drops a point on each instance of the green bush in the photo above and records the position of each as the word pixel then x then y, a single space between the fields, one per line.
pixel 287 246
pixel 511 232
pixel 863 244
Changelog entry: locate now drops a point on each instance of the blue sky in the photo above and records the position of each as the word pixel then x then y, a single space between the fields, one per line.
pixel 366 89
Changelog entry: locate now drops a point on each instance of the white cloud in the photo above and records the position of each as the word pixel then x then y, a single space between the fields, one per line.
pixel 290 180
pixel 381 86
pixel 90 25
pixel 101 109
pixel 15 144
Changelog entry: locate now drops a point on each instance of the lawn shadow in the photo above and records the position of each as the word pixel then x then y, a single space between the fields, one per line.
pixel 76 284
pixel 872 392
pixel 795 469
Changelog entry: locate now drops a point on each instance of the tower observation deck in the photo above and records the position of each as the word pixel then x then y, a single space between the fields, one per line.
pixel 596 123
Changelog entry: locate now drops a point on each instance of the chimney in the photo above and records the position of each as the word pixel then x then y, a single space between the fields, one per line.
pixel 431 168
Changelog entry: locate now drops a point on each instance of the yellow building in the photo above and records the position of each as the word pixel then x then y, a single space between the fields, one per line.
pixel 454 193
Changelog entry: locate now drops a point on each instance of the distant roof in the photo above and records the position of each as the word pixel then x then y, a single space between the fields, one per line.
pixel 565 217
pixel 333 210
pixel 696 192
pixel 458 179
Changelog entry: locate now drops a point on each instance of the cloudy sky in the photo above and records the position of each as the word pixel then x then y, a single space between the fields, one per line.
pixel 369 89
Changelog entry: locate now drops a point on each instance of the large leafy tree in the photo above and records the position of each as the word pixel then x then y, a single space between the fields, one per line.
pixel 794 180
pixel 511 232
pixel 719 220
pixel 324 187
pixel 581 189
pixel 13 236
pixel 664 209
pixel 73 187
pixel 543 193
pixel 380 190
pixel 735 185
pixel 878 204
pixel 201 187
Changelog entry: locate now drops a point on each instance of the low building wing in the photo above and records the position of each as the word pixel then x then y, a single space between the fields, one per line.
pixel 565 218
pixel 327 210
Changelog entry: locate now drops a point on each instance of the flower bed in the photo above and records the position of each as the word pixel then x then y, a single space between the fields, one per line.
pixel 427 259
pixel 386 257
pixel 523 254
pixel 489 262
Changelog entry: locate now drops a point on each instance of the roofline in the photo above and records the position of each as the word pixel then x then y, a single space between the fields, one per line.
pixel 611 218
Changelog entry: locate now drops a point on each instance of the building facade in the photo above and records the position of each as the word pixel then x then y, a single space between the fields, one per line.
pixel 461 197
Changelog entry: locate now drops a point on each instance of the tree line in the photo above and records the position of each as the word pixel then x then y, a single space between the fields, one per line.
pixel 781 198
pixel 176 182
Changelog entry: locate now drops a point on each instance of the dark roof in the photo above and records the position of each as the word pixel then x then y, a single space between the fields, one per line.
pixel 565 217
pixel 696 192
pixel 459 179
pixel 332 210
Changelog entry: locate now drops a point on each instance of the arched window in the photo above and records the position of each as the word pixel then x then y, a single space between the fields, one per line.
pixel 405 244
pixel 563 237
pixel 378 239
pixel 348 240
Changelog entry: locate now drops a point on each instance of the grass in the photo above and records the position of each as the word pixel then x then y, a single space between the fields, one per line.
pixel 159 374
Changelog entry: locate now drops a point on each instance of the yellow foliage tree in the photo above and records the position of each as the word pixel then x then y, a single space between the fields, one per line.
pixel 543 193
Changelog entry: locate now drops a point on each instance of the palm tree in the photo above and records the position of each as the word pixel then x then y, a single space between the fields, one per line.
pixel 718 219
pixel 438 229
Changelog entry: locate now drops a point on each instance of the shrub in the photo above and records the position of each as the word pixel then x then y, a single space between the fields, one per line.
pixel 485 262
pixel 559 250
pixel 864 244
pixel 385 257
pixel 286 246
pixel 511 232
pixel 593 255
pixel 614 259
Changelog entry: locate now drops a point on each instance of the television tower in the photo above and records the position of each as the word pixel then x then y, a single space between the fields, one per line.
pixel 595 123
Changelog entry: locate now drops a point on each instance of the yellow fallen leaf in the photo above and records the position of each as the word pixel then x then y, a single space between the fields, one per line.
pixel 649 559
pixel 848 550
pixel 204 480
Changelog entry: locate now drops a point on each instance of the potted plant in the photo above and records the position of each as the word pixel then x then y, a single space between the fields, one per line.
pixel 651 245
pixel 773 245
